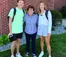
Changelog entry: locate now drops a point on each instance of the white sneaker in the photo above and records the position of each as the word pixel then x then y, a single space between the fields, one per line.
pixel 34 55
pixel 41 54
pixel 18 55
pixel 49 55
pixel 12 55
pixel 27 54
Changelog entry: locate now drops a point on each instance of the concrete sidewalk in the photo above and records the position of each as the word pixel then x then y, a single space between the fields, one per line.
pixel 64 22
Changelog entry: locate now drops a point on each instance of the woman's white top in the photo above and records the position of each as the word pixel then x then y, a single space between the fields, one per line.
pixel 44 21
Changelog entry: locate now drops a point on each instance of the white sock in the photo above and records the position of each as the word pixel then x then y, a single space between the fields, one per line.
pixel 42 51
pixel 12 55
pixel 49 55
pixel 17 53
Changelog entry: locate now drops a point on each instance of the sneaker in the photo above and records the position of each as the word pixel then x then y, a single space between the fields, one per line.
pixel 27 54
pixel 41 54
pixel 49 55
pixel 34 55
pixel 12 55
pixel 18 55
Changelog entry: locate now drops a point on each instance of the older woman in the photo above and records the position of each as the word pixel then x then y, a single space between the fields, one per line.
pixel 30 20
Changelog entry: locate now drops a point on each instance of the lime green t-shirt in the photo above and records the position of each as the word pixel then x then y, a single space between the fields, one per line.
pixel 17 24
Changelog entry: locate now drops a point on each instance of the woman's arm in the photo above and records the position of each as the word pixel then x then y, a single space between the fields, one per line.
pixel 49 22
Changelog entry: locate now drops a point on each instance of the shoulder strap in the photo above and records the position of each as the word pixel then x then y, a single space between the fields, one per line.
pixel 14 14
pixel 23 11
pixel 46 14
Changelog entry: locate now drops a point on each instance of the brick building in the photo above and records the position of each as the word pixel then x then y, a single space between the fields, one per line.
pixel 6 5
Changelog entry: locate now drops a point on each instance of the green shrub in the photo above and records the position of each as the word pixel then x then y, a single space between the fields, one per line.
pixel 4 40
pixel 53 29
pixel 65 28
pixel 63 11
pixel 56 17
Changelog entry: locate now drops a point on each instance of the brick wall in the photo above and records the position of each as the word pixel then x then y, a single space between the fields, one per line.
pixel 35 3
pixel 51 4
pixel 0 17
pixel 3 18
pixel 59 4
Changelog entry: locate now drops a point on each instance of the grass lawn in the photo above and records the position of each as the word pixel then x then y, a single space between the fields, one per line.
pixel 58 45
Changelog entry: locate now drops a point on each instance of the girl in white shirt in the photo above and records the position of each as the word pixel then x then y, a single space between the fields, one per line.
pixel 44 28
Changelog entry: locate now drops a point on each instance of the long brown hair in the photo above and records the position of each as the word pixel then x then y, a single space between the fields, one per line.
pixel 44 6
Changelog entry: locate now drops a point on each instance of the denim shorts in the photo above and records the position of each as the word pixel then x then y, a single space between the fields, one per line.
pixel 42 30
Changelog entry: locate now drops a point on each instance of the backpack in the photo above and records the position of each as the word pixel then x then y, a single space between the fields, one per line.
pixel 14 13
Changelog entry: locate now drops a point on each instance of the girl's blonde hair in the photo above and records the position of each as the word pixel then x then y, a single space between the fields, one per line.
pixel 44 6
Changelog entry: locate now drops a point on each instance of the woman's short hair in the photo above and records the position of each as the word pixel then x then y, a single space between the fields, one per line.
pixel 19 0
pixel 32 7
pixel 41 2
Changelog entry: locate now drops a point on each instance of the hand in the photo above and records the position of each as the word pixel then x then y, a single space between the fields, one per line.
pixel 9 34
